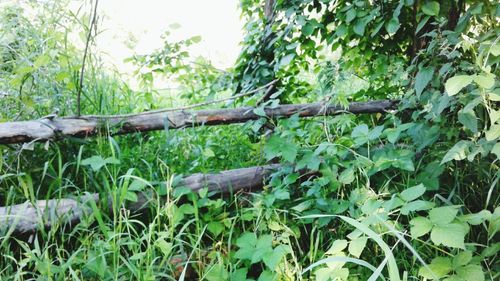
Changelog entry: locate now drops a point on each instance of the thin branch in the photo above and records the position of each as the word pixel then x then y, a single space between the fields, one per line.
pixel 270 84
pixel 80 86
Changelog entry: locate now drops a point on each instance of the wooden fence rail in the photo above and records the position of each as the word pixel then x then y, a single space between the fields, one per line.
pixel 84 126
pixel 28 217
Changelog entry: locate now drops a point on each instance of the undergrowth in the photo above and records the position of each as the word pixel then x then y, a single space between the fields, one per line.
pixel 406 195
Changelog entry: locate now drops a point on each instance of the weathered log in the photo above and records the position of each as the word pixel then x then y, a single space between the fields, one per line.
pixel 28 217
pixel 84 126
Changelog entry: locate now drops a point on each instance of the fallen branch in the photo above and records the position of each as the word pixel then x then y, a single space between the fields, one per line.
pixel 84 126
pixel 28 217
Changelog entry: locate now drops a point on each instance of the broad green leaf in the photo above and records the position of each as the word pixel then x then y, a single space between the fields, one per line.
pixel 246 242
pixel 450 235
pixel 485 81
pixel 97 162
pixel 277 146
pixel 471 272
pixel 477 218
pixel 392 26
pixel 359 26
pixel 267 275
pixel 462 259
pixel 424 76
pixel 494 115
pixel 457 83
pixel 41 61
pixel 350 15
pixel 260 111
pixel 239 274
pixel 262 248
pixel 196 39
pixel 215 227
pixel 496 150
pixel 438 268
pixel 164 246
pixel 493 133
pixel 272 260
pixel 357 246
pixel 337 247
pixel 420 226
pixel 421 24
pixel 216 273
pixel 495 95
pixel 468 119
pixel 458 152
pixel 418 205
pixel 431 8
pixel 443 215
pixel 413 193
pixel 326 273
pixel 347 176
pixel 375 133
pixel 286 59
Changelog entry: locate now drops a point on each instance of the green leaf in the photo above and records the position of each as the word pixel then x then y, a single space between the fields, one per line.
pixel 41 61
pixel 272 260
pixel 424 76
pixel 413 193
pixel 239 274
pixel 420 226
pixel 97 162
pixel 392 26
pixel 418 205
pixel 437 269
pixel 260 111
pixel 246 243
pixel 164 246
pixel 493 133
pixel 267 275
pixel 477 218
pixel 337 247
pixel 471 272
pixel 347 176
pixel 421 24
pixel 450 235
pixel 485 81
pixel 443 215
pixel 216 273
pixel 359 26
pixel 462 259
pixel 276 146
pixel 215 227
pixel 350 15
pixel 431 8
pixel 286 59
pixel 196 39
pixel 468 119
pixel 496 150
pixel 357 245
pixel 457 83
pixel 457 152
pixel 262 248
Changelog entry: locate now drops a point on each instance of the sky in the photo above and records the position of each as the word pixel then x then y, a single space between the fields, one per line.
pixel 216 21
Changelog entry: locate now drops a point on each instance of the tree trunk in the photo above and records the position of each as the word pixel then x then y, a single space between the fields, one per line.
pixel 85 126
pixel 28 217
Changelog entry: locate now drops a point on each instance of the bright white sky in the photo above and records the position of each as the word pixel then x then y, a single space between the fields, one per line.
pixel 216 21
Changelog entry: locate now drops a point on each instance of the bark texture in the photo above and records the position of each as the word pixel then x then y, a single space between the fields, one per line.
pixel 29 217
pixel 85 126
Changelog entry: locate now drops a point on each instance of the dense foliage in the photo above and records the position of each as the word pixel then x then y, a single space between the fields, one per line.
pixel 410 194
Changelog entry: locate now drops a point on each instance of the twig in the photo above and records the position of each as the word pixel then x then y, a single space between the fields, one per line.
pixel 183 107
pixel 80 87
